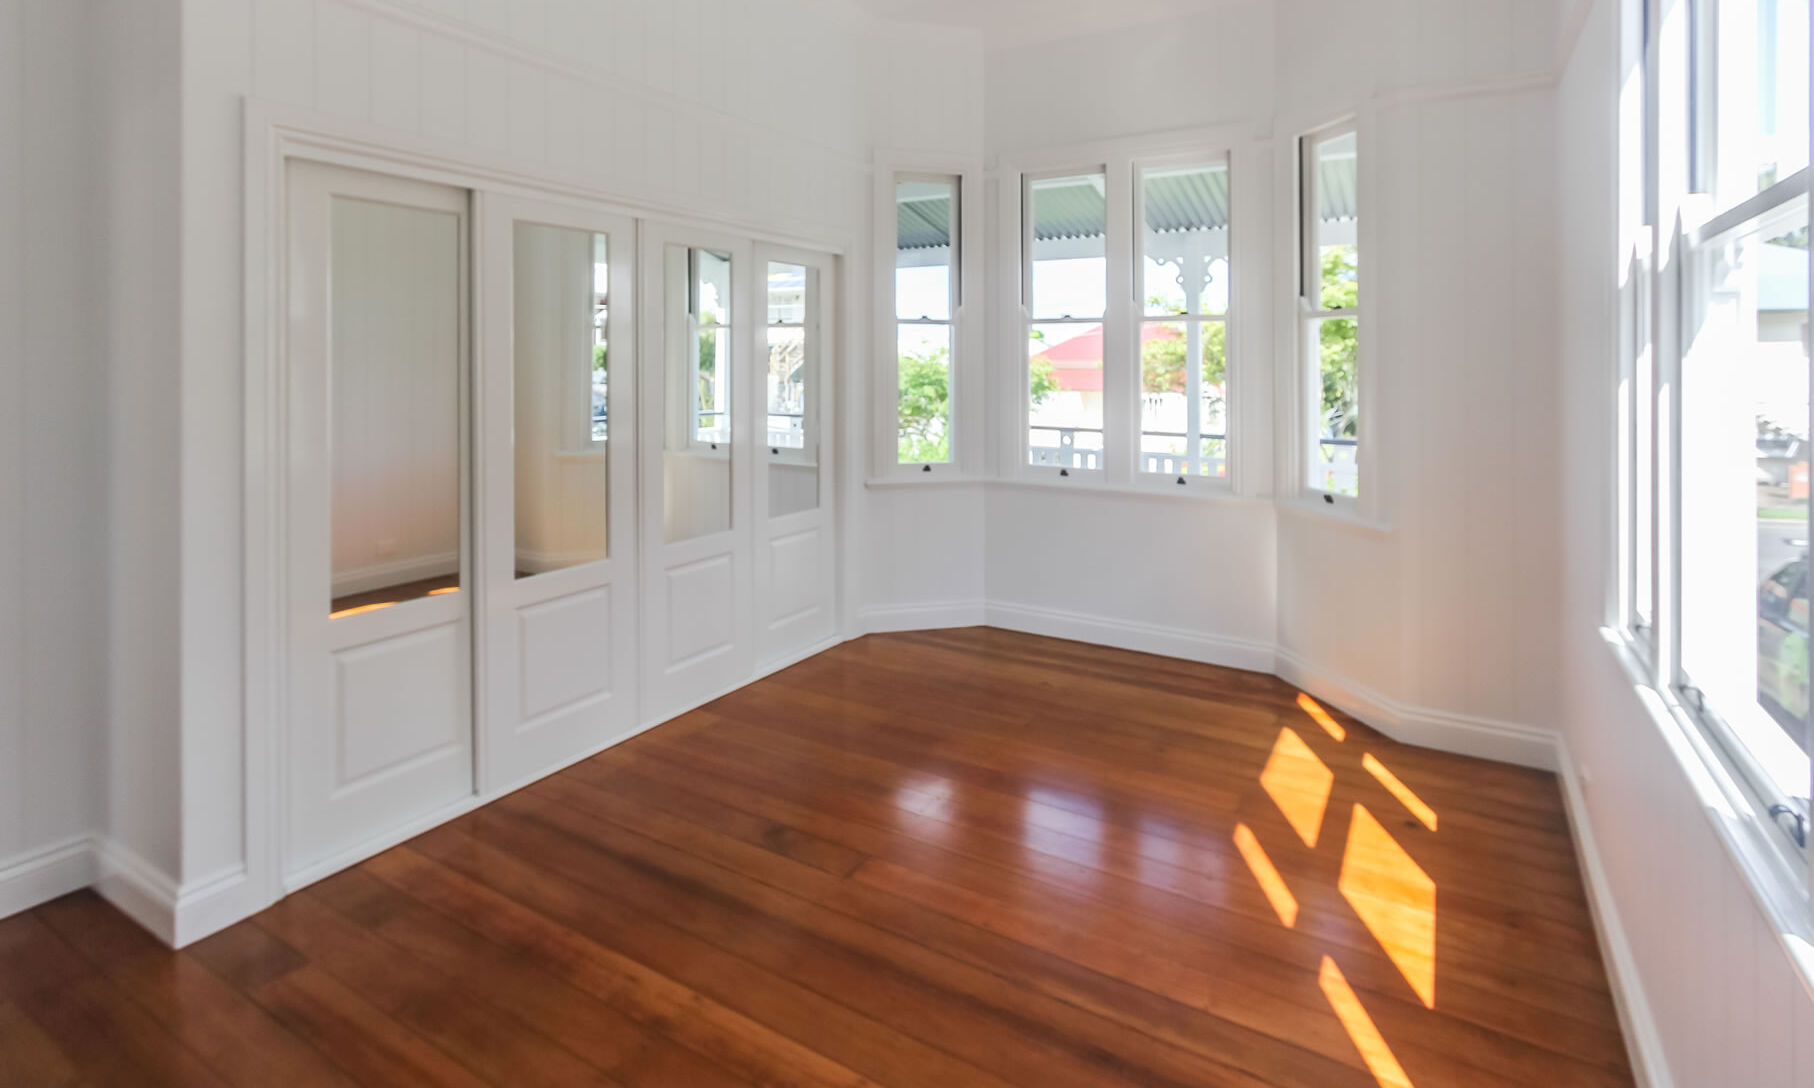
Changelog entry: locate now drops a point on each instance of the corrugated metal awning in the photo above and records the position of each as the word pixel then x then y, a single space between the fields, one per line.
pixel 1178 201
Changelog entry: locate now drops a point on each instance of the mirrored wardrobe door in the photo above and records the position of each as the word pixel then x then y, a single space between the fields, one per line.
pixel 558 456
pixel 379 729
pixel 696 500
pixel 796 559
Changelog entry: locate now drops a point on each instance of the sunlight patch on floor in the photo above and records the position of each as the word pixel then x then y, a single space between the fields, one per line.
pixel 1283 902
pixel 1298 782
pixel 1424 813
pixel 1395 899
pixel 1367 1039
pixel 1321 717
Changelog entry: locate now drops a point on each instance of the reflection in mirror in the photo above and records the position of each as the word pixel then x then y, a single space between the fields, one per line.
pixel 394 377
pixel 696 447
pixel 793 350
pixel 562 319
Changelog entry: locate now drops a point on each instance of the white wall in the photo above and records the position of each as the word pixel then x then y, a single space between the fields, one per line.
pixel 54 438
pixel 1729 1006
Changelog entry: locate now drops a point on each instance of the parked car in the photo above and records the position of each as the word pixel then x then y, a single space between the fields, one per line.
pixel 1782 645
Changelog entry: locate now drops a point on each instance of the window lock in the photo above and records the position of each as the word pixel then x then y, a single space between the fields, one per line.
pixel 1064 472
pixel 925 468
pixel 1181 481
pixel 1798 829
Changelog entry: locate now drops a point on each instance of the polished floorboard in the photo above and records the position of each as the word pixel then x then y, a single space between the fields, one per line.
pixel 962 857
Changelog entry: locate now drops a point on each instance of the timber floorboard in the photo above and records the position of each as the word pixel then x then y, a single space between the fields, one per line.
pixel 966 857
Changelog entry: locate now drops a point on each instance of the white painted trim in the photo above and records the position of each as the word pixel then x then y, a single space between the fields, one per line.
pixel 930 616
pixel 1234 653
pixel 1425 727
pixel 141 890
pixel 42 875
pixel 1643 1042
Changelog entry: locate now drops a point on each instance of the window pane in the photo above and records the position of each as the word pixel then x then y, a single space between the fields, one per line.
pixel 1337 223
pixel 696 445
pixel 1333 345
pixel 786 293
pixel 1762 95
pixel 924 255
pixel 1064 372
pixel 1179 435
pixel 925 394
pixel 1070 224
pixel 1744 517
pixel 394 373
pixel 601 330
pixel 562 467
pixel 1185 241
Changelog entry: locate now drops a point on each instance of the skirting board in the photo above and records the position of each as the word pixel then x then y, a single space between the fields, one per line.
pixel 931 616
pixel 1148 638
pixel 1458 734
pixel 42 875
pixel 1643 1043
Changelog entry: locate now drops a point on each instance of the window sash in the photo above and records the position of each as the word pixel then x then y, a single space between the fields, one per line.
pixel 955 287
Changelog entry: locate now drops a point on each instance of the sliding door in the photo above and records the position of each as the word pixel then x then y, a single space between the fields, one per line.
pixel 796 559
pixel 697 453
pixel 379 546
pixel 558 484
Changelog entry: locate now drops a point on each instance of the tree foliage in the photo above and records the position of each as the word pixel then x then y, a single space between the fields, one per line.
pixel 1338 341
pixel 1162 359
pixel 925 406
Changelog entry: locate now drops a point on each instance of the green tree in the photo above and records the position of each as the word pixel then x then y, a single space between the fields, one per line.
pixel 925 407
pixel 1042 381
pixel 1162 359
pixel 1339 339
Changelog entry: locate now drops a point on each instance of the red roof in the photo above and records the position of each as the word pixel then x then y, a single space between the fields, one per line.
pixel 1077 362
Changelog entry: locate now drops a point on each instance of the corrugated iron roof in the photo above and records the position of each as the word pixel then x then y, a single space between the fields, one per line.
pixel 1177 201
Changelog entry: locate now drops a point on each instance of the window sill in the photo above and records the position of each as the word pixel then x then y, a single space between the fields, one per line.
pixel 1778 886
pixel 918 480
pixel 1344 514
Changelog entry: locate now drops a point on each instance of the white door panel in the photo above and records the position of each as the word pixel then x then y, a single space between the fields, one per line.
pixel 699 427
pixel 797 583
pixel 558 484
pixel 379 729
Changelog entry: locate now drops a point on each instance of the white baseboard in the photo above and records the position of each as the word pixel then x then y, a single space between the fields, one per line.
pixel 42 875
pixel 393 573
pixel 141 890
pixel 931 616
pixel 1459 734
pixel 1643 1043
pixel 1234 653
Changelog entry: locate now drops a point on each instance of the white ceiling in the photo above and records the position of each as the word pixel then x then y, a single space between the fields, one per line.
pixel 1004 22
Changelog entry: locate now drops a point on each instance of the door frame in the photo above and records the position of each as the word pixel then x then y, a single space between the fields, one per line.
pixel 274 133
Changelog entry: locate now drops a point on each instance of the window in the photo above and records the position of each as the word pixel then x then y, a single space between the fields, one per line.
pixel 1330 296
pixel 709 322
pixel 1715 373
pixel 1184 280
pixel 926 300
pixel 1065 306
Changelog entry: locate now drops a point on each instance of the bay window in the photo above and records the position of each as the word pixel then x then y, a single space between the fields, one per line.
pixel 926 285
pixel 1330 299
pixel 1715 375
pixel 1184 281
pixel 1065 309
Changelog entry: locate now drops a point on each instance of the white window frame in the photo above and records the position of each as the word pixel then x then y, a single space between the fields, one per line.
pixel 1139 319
pixel 1311 314
pixel 1667 161
pixel 967 462
pixel 1114 322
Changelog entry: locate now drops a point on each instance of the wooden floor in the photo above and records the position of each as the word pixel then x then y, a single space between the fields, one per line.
pixel 953 858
